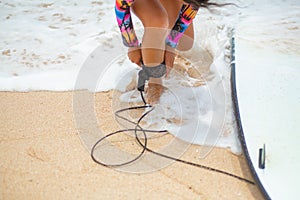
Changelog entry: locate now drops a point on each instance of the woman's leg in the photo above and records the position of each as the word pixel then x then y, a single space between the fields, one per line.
pixel 158 17
pixel 155 20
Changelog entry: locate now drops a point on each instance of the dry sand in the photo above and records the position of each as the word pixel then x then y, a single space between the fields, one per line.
pixel 42 157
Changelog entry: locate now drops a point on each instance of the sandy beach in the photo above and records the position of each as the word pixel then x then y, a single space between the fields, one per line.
pixel 42 157
pixel 45 140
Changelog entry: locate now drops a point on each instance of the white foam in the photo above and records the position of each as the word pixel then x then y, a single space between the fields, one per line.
pixel 44 46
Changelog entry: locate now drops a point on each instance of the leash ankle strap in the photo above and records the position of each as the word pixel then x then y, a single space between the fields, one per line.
pixel 148 72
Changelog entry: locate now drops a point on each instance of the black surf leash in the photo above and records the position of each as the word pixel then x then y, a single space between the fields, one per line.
pixel 144 75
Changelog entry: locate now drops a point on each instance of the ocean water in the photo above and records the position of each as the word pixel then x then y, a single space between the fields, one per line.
pixel 45 46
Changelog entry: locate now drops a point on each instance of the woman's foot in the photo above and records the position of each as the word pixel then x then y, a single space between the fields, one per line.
pixel 154 90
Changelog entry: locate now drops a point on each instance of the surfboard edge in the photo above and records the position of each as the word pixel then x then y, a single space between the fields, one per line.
pixel 239 122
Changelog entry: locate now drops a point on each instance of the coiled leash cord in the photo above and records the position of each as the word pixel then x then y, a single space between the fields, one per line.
pixel 138 128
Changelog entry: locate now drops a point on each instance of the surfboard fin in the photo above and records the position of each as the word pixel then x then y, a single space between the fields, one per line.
pixel 262 157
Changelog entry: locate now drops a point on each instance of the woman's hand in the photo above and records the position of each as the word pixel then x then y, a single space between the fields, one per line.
pixel 135 55
pixel 170 55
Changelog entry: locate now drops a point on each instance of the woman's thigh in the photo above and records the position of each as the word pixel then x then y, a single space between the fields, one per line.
pixel 163 14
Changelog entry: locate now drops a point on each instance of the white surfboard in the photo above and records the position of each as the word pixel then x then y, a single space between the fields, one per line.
pixel 266 95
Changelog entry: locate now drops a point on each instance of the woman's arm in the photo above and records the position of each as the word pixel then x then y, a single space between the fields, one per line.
pixel 185 18
pixel 122 9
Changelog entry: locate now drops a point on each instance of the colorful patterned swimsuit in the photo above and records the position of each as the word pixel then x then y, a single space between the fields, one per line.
pixel 122 9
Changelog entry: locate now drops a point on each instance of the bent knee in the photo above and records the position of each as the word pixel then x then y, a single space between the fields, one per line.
pixel 185 44
pixel 187 40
